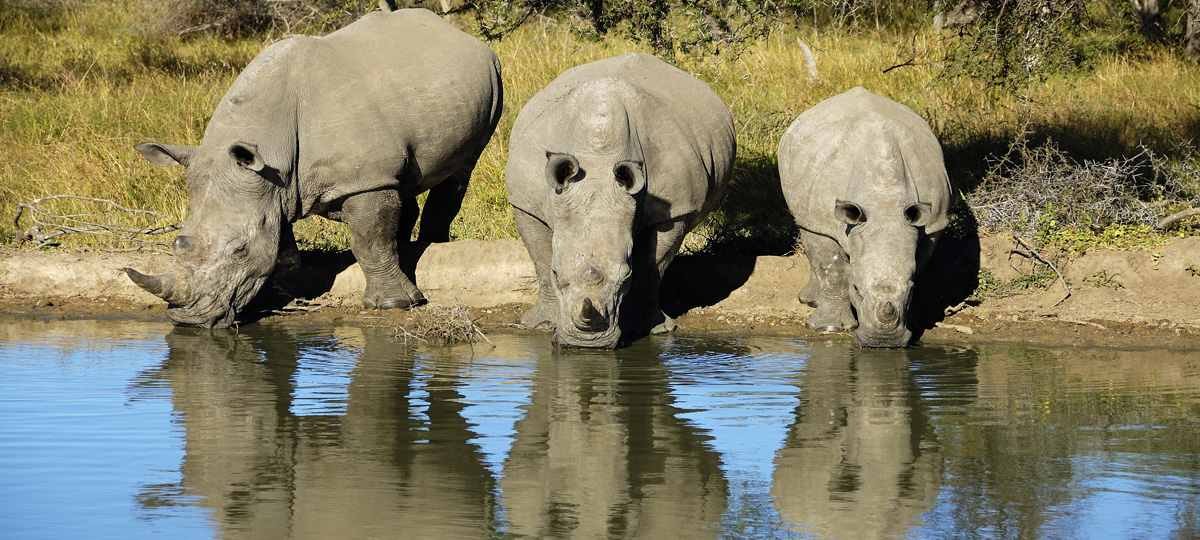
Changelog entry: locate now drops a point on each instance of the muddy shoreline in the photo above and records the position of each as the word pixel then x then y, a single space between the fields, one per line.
pixel 1148 299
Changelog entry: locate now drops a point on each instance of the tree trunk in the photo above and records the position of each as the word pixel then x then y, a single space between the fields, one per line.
pixel 1192 33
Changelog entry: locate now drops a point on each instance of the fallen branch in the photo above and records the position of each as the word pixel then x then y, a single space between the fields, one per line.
pixel 1167 221
pixel 48 227
pixel 1033 253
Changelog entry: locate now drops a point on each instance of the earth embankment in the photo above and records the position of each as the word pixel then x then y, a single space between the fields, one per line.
pixel 1110 298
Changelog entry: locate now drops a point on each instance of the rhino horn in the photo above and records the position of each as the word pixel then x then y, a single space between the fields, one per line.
pixel 590 317
pixel 160 285
pixel 888 313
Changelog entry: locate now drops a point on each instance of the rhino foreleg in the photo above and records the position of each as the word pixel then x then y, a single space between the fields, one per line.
pixel 374 218
pixel 442 205
pixel 537 238
pixel 286 274
pixel 831 274
pixel 653 251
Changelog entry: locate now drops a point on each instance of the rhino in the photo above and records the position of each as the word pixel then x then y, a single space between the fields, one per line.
pixel 610 166
pixel 351 126
pixel 865 181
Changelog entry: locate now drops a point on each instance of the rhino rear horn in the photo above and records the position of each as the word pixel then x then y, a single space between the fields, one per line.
pixel 160 285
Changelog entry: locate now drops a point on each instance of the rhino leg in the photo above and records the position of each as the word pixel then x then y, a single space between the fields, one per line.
pixel 373 218
pixel 831 274
pixel 442 205
pixel 653 251
pixel 286 275
pixel 537 238
pixel 409 211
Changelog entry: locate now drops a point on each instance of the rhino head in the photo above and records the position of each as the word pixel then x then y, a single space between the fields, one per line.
pixel 595 203
pixel 883 238
pixel 229 242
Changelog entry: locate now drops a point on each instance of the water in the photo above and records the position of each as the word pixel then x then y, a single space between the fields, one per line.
pixel 133 430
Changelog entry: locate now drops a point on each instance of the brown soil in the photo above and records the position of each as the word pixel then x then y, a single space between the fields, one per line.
pixel 1151 299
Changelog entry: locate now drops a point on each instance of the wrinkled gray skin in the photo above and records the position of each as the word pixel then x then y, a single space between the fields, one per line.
pixel 609 168
pixel 865 180
pixel 351 126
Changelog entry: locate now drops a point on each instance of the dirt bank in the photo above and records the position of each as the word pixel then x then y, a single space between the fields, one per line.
pixel 1145 299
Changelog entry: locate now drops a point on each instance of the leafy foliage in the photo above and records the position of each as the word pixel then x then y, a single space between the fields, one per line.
pixel 1016 41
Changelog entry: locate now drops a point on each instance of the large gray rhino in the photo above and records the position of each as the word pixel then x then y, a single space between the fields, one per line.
pixel 351 126
pixel 609 168
pixel 865 180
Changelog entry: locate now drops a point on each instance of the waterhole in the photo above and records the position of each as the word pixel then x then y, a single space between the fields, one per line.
pixel 118 429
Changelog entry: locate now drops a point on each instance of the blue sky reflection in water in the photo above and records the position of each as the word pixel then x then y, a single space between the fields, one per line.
pixel 132 430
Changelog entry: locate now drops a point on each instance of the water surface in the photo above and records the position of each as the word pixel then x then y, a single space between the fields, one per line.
pixel 116 429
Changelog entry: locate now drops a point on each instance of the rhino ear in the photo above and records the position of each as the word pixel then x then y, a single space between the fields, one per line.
pixel 167 155
pixel 919 215
pixel 560 169
pixel 247 157
pixel 630 175
pixel 849 213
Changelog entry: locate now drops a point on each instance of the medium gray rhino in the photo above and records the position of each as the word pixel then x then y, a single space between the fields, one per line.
pixel 865 180
pixel 609 168
pixel 351 126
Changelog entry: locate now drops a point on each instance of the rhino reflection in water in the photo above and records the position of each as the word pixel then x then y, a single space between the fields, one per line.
pixel 601 452
pixel 266 468
pixel 865 180
pixel 610 166
pixel 351 126
pixel 862 463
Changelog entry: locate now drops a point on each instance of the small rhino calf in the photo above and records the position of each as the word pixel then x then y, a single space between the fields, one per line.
pixel 865 180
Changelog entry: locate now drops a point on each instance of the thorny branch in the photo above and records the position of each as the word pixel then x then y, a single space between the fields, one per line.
pixel 1030 252
pixel 48 227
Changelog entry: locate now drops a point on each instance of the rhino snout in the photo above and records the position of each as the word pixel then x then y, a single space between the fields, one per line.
pixel 896 339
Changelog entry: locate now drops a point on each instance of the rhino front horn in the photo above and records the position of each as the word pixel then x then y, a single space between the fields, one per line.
pixel 888 313
pixel 159 285
pixel 590 318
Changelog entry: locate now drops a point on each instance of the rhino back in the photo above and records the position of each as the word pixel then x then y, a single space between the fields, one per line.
pixel 840 149
pixel 393 100
pixel 682 129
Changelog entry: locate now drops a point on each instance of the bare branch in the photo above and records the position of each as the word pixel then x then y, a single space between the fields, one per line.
pixel 1171 219
pixel 48 226
pixel 1033 253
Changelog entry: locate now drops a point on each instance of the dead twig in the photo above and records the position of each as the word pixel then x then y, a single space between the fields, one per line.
pixel 1033 253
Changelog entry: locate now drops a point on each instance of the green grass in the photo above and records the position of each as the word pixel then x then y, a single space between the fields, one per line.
pixel 80 87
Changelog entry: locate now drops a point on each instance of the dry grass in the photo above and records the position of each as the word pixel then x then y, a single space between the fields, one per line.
pixel 78 92
pixel 440 325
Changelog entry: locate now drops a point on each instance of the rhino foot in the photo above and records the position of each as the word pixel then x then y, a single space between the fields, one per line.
pixel 400 302
pixel 539 318
pixel 831 320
